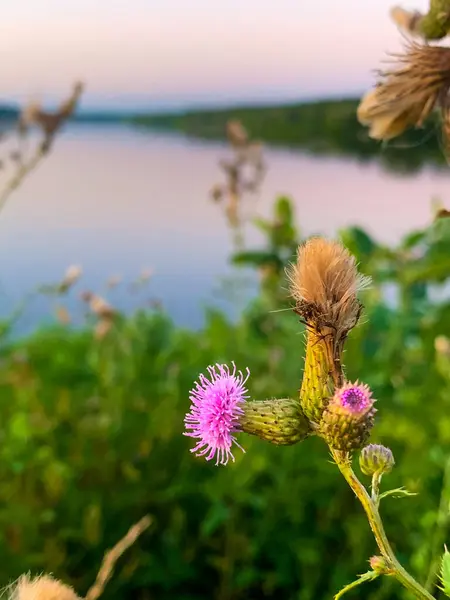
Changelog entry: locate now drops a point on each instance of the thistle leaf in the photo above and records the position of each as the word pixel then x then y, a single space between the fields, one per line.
pixel 444 575
pixel 397 493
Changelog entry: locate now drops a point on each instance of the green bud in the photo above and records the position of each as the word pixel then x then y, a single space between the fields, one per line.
pixel 376 459
pixel 280 421
pixel 380 565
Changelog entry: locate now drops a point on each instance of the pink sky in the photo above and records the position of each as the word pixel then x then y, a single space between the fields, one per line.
pixel 157 52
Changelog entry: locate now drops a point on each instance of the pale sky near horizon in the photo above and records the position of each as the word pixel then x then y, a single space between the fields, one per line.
pixel 156 53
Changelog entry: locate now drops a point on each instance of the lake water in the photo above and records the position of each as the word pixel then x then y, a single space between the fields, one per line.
pixel 117 200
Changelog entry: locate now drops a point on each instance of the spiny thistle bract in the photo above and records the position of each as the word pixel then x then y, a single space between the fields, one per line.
pixel 375 458
pixel 279 421
pixel 348 419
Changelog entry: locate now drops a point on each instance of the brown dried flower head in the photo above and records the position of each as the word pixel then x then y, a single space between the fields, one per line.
pixel 50 122
pixel 324 283
pixel 407 94
pixel 406 20
pixel 41 588
pixel 236 133
pixel 29 115
pixel 72 275
pixel 100 307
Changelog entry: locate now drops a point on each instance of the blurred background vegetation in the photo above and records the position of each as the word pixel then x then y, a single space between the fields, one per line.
pixel 91 432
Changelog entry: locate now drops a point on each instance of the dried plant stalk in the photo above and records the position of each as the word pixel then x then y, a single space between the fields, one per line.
pixel 113 555
pixel 49 125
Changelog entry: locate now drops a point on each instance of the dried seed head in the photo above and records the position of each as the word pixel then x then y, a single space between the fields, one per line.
pixel 324 282
pixel 71 276
pixel 41 588
pixel 28 116
pixel 405 19
pixel 101 308
pixel 67 107
pixel 407 94
pixel 236 133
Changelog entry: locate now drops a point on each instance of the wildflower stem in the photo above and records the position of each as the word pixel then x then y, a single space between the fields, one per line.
pixel 21 173
pixel 376 479
pixel 369 576
pixel 377 528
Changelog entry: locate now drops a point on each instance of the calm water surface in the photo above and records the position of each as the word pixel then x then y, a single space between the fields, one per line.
pixel 117 200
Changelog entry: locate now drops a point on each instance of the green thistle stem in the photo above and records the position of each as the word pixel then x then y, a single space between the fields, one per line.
pixel 436 23
pixel 369 576
pixel 316 384
pixel 376 480
pixel 377 528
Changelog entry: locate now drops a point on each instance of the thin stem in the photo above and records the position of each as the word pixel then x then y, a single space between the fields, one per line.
pixel 377 528
pixel 369 576
pixel 376 480
pixel 23 170
pixel 112 556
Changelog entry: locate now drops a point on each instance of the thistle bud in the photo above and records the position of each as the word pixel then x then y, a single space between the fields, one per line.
pixel 280 421
pixel 380 565
pixel 349 417
pixel 376 459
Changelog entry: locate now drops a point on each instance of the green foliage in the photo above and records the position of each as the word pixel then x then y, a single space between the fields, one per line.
pixel 444 574
pixel 91 440
pixel 322 127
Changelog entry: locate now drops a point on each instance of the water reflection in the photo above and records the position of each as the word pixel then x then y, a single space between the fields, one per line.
pixel 116 200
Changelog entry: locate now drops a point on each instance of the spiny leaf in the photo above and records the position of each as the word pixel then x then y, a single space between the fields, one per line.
pixel 444 575
pixel 397 493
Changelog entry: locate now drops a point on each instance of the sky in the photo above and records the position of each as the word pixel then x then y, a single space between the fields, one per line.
pixel 156 54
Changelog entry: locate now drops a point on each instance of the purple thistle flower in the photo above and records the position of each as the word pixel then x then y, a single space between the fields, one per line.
pixel 216 406
pixel 355 398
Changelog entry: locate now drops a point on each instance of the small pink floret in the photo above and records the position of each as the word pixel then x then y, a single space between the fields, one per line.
pixel 354 397
pixel 216 406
